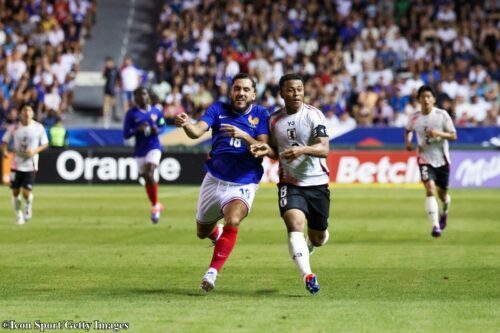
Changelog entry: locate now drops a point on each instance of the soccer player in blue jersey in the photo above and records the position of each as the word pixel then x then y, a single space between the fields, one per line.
pixel 145 123
pixel 233 174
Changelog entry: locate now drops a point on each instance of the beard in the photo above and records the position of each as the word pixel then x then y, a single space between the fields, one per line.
pixel 242 109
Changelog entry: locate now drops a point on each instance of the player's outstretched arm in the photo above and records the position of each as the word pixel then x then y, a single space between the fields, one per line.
pixel 260 149
pixel 193 131
pixel 408 137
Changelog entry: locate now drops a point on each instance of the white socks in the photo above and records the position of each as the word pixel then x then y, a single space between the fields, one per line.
pixel 431 206
pixel 447 204
pixel 16 203
pixel 297 247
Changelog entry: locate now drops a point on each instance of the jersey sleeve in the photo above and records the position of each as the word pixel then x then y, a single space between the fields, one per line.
pixel 160 122
pixel 210 115
pixel 263 126
pixel 44 139
pixel 128 126
pixel 318 124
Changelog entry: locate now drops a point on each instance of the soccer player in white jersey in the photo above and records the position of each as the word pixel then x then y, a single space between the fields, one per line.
pixel 434 128
pixel 299 140
pixel 29 139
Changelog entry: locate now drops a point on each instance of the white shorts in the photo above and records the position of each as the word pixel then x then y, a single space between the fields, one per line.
pixel 153 157
pixel 216 193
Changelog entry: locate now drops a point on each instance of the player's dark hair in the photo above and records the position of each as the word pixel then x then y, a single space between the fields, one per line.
pixel 425 88
pixel 240 76
pixel 289 77
pixel 141 88
pixel 27 104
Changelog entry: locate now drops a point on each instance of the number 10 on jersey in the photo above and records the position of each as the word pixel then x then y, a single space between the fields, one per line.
pixel 235 142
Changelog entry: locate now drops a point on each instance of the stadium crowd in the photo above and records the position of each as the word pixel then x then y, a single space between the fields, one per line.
pixel 40 49
pixel 362 60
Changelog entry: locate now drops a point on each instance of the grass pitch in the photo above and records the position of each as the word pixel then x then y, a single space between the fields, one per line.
pixel 90 253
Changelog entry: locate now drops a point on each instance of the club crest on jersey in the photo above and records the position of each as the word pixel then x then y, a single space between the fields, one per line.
pixel 253 121
pixel 291 133
pixel 154 117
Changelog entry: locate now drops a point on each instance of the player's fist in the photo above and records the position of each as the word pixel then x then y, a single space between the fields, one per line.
pixel 259 149
pixel 409 146
pixel 292 153
pixel 144 128
pixel 181 120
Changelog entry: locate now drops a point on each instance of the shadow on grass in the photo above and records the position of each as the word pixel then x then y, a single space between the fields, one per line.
pixel 200 293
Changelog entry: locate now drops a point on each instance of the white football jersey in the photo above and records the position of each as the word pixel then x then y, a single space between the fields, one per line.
pixel 433 151
pixel 299 129
pixel 25 137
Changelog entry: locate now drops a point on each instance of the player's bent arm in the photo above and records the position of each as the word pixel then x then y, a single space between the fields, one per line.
pixel 194 131
pixel 41 148
pixel 450 136
pixel 319 148
pixel 4 149
pixel 408 137
pixel 263 138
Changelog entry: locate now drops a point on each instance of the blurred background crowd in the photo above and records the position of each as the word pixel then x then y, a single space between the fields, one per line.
pixel 362 60
pixel 40 48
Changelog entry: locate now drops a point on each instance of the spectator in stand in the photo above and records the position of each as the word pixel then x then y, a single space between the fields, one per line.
pixel 374 43
pixel 111 76
pixel 130 79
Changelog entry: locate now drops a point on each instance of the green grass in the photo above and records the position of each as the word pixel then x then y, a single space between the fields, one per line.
pixel 90 253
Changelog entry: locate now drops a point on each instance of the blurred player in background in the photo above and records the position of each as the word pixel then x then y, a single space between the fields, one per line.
pixel 233 174
pixel 434 127
pixel 29 139
pixel 145 123
pixel 300 141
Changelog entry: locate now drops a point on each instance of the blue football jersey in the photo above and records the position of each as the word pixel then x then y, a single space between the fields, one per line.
pixel 230 158
pixel 133 119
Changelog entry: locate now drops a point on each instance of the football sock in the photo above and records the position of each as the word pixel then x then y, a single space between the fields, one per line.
pixel 431 206
pixel 16 203
pixel 447 204
pixel 152 191
pixel 224 247
pixel 297 247
pixel 29 200
pixel 215 233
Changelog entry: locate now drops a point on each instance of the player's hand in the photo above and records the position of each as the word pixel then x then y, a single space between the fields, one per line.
pixel 259 149
pixel 409 146
pixel 292 153
pixel 432 133
pixel 154 130
pixel 181 120
pixel 233 131
pixel 144 128
pixel 29 153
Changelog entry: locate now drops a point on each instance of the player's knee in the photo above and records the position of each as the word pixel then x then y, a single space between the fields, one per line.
pixel 233 221
pixel 317 241
pixel 202 234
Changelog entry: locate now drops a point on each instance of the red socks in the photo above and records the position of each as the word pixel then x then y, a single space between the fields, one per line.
pixel 152 191
pixel 215 233
pixel 224 247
